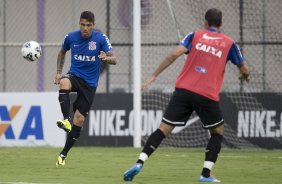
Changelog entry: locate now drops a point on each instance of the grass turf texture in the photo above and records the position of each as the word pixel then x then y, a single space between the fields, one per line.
pixel 165 166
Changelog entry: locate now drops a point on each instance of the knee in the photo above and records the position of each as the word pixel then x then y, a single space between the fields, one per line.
pixel 166 129
pixel 218 130
pixel 78 119
pixel 65 84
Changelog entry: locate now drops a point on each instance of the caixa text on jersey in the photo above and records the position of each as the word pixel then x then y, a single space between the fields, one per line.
pixel 84 57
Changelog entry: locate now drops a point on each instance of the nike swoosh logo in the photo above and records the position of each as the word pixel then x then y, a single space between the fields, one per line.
pixel 205 36
pixel 178 129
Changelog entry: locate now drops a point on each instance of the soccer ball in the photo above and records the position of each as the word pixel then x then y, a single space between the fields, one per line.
pixel 31 51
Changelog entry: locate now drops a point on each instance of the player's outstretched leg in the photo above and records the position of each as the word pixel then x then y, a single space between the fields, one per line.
pixel 134 170
pixel 151 145
pixel 71 139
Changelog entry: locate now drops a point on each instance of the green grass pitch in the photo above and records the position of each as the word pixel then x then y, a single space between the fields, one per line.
pixel 98 165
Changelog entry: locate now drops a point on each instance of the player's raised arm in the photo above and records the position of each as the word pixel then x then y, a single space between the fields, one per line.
pixel 168 60
pixel 60 65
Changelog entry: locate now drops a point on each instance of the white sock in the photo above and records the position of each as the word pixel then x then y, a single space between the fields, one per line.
pixel 208 165
pixel 143 156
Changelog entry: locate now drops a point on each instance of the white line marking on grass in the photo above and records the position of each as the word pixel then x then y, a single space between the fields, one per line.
pixel 25 183
pixel 227 156
pixel 167 155
pixel 234 156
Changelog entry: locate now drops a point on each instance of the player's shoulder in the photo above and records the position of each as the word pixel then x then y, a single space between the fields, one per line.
pixel 188 36
pixel 219 33
pixel 74 34
pixel 202 32
pixel 98 34
pixel 227 37
pixel 100 37
pixel 97 31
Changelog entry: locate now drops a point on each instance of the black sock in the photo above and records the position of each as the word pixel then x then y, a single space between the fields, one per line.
pixel 64 99
pixel 140 161
pixel 206 172
pixel 152 143
pixel 212 150
pixel 72 137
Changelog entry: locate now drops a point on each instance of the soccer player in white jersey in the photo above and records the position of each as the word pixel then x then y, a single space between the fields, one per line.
pixel 88 49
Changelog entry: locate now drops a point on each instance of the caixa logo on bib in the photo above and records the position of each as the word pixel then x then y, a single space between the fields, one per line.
pixel 17 123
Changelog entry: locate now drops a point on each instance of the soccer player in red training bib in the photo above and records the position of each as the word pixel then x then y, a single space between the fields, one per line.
pixel 197 89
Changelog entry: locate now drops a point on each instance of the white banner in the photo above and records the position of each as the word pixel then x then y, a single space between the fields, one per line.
pixel 29 119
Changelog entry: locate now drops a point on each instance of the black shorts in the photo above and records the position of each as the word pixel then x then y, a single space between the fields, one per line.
pixel 85 94
pixel 184 102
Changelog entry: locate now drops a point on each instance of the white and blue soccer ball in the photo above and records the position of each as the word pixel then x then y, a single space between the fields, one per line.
pixel 31 51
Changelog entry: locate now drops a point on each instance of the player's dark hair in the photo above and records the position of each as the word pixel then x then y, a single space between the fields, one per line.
pixel 214 17
pixel 88 15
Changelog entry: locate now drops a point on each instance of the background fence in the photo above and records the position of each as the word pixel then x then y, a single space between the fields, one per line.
pixel 254 24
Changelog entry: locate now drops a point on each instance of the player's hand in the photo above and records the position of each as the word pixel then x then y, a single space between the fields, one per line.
pixel 147 83
pixel 108 57
pixel 244 77
pixel 103 56
pixel 57 79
